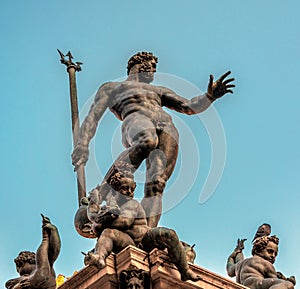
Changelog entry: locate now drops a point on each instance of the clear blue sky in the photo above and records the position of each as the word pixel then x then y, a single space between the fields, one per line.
pixel 257 40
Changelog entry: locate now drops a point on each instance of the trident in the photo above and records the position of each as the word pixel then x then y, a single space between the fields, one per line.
pixel 71 69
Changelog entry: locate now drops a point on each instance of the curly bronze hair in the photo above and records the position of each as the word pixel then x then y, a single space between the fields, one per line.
pixel 139 58
pixel 261 243
pixel 121 170
pixel 24 257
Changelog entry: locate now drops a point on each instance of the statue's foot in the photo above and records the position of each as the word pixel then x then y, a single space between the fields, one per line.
pixel 95 260
pixel 190 275
pixel 101 263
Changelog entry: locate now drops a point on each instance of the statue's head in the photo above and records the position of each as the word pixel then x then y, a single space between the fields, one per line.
pixel 122 181
pixel 25 263
pixel 143 64
pixel 266 247
pixel 266 228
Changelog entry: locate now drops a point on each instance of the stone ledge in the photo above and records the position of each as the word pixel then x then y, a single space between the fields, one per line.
pixel 163 273
pixel 87 276
pixel 132 257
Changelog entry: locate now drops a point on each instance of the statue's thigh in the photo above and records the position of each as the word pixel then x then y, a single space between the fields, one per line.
pixel 121 241
pixel 136 128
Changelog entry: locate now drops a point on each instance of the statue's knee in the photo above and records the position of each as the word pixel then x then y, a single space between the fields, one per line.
pixel 107 232
pixel 170 236
pixel 155 187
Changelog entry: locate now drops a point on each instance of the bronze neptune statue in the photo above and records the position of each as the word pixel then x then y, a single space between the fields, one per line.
pixel 147 130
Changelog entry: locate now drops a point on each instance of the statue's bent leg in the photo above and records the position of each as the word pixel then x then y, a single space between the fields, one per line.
pixel 160 165
pixel 140 138
pixel 162 238
pixel 111 240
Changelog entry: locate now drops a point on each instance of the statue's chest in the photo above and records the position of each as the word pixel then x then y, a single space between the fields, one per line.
pixel 130 91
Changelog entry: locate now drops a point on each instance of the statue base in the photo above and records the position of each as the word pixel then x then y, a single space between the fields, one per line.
pixel 134 266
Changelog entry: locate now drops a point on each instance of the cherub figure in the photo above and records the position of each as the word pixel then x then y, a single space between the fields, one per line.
pixel 258 271
pixel 129 227
pixel 36 270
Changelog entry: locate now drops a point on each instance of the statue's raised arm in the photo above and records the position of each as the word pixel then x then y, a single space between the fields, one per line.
pixel 88 128
pixel 36 270
pixel 199 103
pixel 235 257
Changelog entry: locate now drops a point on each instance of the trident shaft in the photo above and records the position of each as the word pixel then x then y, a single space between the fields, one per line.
pixel 71 69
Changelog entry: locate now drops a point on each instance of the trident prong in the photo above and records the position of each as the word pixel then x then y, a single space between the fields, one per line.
pixel 61 54
pixel 68 62
pixel 69 54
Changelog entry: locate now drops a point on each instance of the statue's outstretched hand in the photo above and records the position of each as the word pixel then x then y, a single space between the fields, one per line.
pixel 80 155
pixel 220 87
pixel 240 245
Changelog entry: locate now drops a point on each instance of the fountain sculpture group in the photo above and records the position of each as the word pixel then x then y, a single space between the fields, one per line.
pixel 111 214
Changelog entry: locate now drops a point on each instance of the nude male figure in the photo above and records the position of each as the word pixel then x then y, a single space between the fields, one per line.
pixel 146 126
pixel 258 271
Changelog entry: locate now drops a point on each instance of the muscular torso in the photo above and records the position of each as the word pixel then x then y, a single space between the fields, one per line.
pixel 133 211
pixel 128 97
pixel 254 269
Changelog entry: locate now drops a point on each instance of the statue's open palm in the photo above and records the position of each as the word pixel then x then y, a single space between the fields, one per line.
pixel 220 87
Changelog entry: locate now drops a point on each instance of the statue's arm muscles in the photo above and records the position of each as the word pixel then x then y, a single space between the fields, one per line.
pixel 187 106
pixel 89 125
pixel 235 257
pixel 230 268
pixel 54 245
pixel 270 271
